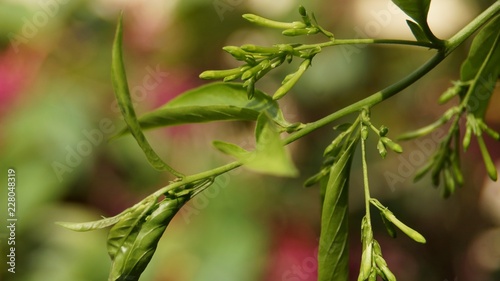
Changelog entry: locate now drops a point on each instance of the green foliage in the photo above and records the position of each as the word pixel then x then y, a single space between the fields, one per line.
pixel 269 157
pixel 478 77
pixel 132 245
pixel 418 10
pixel 122 94
pixel 134 237
pixel 214 102
pixel 333 255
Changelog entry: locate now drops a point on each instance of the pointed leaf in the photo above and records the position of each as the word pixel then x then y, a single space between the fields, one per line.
pixel 122 93
pixel 125 231
pixel 269 156
pixel 482 67
pixel 333 255
pixel 132 259
pixel 231 149
pixel 415 9
pixel 417 31
pixel 217 101
pixel 92 225
pixel 418 10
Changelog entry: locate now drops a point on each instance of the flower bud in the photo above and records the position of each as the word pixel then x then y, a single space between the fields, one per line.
pixel 392 145
pixel 271 23
pixel 219 74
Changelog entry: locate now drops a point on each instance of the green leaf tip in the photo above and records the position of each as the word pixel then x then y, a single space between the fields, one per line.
pixel 122 93
pixel 269 157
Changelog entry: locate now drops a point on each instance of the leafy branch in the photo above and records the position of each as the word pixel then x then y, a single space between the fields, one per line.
pixel 135 232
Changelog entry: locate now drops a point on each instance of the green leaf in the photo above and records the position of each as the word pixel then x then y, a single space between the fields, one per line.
pixel 269 156
pixel 482 68
pixel 418 10
pixel 231 149
pixel 333 255
pixel 217 101
pixel 92 225
pixel 122 93
pixel 133 257
pixel 125 231
pixel 415 9
pixel 417 31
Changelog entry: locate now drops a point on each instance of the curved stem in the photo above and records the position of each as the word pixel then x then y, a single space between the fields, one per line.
pixel 370 101
pixel 364 42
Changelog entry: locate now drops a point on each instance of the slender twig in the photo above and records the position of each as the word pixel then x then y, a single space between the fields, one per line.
pixel 370 101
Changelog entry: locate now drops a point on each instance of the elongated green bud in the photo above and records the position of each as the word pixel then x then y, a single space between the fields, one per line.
pixel 300 31
pixel 376 248
pixel 220 74
pixel 450 93
pixel 271 23
pixel 467 137
pixel 488 130
pixel 431 127
pixel 333 148
pixel 403 227
pixel 490 167
pixel 236 52
pixel 382 265
pixel 392 145
pixel 449 184
pixel 254 70
pixel 364 133
pixel 455 166
pixel 366 232
pixel 366 263
pixel 381 149
pixel 291 82
pixel 259 49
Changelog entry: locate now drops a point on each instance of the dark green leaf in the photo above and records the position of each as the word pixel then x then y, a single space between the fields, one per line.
pixel 122 93
pixel 134 256
pixel 417 31
pixel 415 9
pixel 418 10
pixel 125 231
pixel 333 255
pixel 482 68
pixel 213 102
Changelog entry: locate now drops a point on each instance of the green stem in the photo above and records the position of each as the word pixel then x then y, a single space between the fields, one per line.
pixel 364 42
pixel 370 101
pixel 365 179
pixel 472 27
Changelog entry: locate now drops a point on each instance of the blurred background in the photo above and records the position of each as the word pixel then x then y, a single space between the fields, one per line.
pixel 57 111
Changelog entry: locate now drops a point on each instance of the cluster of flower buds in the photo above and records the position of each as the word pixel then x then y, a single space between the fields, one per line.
pixel 372 262
pixel 383 141
pixel 307 26
pixel 259 60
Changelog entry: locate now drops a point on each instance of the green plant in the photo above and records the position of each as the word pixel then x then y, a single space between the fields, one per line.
pixel 135 233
